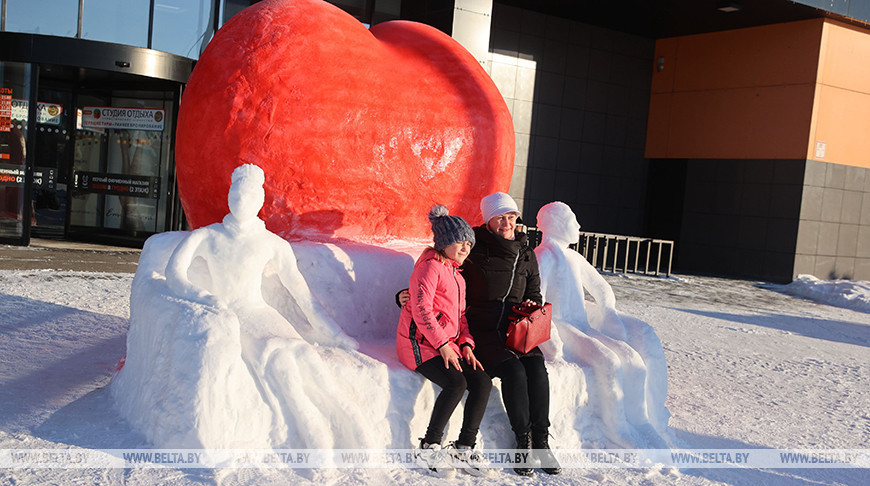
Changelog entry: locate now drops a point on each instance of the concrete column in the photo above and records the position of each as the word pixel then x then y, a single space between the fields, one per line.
pixel 467 21
pixel 471 24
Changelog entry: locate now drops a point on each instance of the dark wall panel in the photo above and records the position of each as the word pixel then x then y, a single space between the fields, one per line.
pixel 741 218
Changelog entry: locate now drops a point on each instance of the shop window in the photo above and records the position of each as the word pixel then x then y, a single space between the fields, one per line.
pixel 14 92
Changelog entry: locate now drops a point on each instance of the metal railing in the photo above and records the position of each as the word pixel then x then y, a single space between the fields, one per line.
pixel 621 254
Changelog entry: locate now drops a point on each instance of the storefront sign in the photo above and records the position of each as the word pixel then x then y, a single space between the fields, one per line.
pixel 11 175
pixel 117 184
pixel 46 113
pixel 44 177
pixel 5 110
pixel 123 118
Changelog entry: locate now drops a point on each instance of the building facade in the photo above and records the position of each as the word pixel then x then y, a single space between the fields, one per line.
pixel 733 128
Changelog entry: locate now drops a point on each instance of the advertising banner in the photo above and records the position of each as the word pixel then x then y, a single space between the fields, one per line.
pixel 5 110
pixel 117 184
pixel 11 175
pixel 101 117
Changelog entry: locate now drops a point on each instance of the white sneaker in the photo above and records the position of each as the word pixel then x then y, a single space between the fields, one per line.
pixel 471 461
pixel 435 460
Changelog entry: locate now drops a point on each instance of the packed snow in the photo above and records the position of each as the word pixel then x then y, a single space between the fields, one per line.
pixel 849 294
pixel 748 368
pixel 309 362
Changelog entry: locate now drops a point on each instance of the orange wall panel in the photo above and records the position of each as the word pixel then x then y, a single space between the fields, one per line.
pixel 843 125
pixel 841 118
pixel 772 55
pixel 845 58
pixel 666 51
pixel 765 122
pixel 744 93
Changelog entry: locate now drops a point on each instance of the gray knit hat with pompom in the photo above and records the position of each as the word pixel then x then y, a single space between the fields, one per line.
pixel 448 229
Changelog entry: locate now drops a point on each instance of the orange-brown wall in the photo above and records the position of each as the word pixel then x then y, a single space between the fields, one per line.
pixel 841 119
pixel 746 93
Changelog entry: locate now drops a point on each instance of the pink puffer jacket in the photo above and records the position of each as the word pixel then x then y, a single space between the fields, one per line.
pixel 435 315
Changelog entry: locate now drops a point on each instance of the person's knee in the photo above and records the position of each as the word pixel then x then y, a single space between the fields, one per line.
pixel 511 371
pixel 455 381
pixel 536 370
pixel 479 381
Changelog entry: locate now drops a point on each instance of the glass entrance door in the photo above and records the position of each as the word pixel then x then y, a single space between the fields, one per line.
pixel 51 161
pixel 121 163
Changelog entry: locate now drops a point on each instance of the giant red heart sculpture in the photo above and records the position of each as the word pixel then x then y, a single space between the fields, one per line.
pixel 359 131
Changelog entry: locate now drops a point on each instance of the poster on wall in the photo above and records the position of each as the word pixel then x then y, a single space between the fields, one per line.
pixel 101 117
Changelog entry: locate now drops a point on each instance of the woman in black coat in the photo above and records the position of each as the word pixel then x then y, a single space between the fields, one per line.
pixel 501 271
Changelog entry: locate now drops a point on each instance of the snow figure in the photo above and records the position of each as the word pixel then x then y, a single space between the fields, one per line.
pixel 628 379
pixel 229 348
pixel 227 262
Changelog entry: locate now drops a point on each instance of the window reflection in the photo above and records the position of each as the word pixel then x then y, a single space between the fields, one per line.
pixel 181 26
pixel 14 92
pixel 45 17
pixel 113 21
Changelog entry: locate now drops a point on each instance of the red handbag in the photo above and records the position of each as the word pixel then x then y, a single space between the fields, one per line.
pixel 529 328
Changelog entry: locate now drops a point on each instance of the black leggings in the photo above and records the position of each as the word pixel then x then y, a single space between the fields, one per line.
pixel 453 384
pixel 525 390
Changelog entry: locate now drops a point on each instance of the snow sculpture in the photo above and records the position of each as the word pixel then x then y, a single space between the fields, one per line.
pixel 627 374
pixel 211 364
pixel 230 347
pixel 229 259
pixel 256 83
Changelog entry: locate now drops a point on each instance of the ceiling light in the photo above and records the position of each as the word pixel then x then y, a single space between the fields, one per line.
pixel 728 6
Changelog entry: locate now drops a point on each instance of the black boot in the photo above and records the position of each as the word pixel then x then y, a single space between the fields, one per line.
pixel 524 447
pixel 541 446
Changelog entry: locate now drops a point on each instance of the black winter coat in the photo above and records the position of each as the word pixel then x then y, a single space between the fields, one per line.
pixel 499 274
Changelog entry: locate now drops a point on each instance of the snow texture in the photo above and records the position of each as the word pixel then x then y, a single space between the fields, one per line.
pixel 849 294
pixel 748 368
pixel 309 361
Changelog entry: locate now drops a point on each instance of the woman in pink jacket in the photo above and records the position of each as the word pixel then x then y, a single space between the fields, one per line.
pixel 433 339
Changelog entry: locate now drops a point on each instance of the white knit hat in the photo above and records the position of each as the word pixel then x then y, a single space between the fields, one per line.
pixel 496 204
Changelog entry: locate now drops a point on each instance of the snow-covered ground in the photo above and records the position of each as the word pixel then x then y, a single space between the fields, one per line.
pixel 749 366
